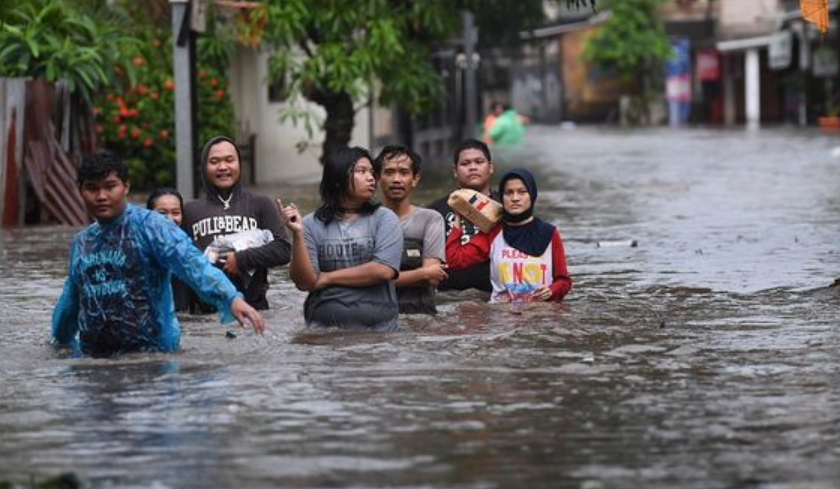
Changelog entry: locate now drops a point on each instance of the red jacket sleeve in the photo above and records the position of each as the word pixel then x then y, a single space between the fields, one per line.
pixel 460 256
pixel 562 282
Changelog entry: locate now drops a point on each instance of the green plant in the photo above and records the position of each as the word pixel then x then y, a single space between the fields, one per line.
pixel 135 113
pixel 117 58
pixel 138 120
pixel 50 40
pixel 332 53
pixel 633 42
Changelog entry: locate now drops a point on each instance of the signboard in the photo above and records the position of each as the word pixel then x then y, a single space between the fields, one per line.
pixel 781 50
pixel 708 65
pixel 678 82
pixel 678 72
pixel 198 16
pixel 825 62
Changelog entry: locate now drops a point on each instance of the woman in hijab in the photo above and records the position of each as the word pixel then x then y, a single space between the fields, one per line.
pixel 527 261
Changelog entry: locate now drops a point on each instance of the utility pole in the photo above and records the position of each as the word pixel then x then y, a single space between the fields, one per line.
pixel 836 30
pixel 183 55
pixel 470 40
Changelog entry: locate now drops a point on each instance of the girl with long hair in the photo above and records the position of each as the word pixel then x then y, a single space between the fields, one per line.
pixel 347 253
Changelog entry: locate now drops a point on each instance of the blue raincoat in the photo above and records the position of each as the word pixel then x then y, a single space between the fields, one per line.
pixel 118 297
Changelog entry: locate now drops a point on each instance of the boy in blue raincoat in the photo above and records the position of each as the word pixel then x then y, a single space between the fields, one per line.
pixel 117 297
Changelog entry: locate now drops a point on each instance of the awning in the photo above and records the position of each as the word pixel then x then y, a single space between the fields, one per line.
pixel 744 44
pixel 556 30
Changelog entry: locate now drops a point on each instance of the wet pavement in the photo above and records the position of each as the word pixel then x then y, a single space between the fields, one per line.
pixel 706 357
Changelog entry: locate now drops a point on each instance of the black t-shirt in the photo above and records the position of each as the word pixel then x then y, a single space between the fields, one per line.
pixel 473 277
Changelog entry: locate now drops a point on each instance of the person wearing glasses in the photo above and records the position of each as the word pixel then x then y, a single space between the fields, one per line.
pixel 347 253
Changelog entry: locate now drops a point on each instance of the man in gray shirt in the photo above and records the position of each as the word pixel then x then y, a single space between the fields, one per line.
pixel 422 265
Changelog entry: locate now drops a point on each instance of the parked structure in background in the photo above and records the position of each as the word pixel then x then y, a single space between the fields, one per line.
pixel 777 67
pixel 280 154
pixel 741 63
pixel 745 33
pixel 39 138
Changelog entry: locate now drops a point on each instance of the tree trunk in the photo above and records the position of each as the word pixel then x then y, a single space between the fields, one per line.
pixel 338 126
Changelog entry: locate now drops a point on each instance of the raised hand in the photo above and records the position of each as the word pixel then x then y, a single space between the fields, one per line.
pixel 290 216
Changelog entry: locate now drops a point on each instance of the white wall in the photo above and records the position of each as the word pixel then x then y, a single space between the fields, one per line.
pixel 748 18
pixel 278 159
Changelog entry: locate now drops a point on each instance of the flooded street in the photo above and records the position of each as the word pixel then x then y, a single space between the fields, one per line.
pixel 706 357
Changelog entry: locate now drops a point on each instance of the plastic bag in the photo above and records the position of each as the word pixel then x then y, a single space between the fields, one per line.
pixel 231 243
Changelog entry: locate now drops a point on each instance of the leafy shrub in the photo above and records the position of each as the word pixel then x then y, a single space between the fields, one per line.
pixel 50 40
pixel 138 120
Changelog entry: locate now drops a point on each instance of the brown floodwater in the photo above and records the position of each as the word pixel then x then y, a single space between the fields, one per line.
pixel 708 356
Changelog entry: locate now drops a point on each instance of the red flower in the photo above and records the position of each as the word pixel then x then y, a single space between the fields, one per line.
pixel 148 142
pixel 138 61
pixel 220 94
pixel 213 82
pixel 142 90
pixel 121 131
pixel 135 133
pixel 115 118
pixel 169 85
pixel 154 95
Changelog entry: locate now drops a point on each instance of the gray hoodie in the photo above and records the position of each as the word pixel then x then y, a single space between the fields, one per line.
pixel 205 219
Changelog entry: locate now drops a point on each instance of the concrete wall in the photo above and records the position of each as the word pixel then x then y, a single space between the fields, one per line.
pixel 688 10
pixel 278 158
pixel 740 19
pixel 591 94
pixel 535 85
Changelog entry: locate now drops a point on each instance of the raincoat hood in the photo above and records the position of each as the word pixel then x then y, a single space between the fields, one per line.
pixel 211 191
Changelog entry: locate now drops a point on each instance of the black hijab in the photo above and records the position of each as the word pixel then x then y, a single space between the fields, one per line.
pixel 532 238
